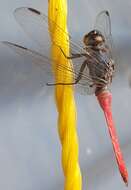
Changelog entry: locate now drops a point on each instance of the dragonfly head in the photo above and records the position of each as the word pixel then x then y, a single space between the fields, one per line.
pixel 93 38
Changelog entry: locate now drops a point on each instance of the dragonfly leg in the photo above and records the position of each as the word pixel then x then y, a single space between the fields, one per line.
pixel 76 80
pixel 74 56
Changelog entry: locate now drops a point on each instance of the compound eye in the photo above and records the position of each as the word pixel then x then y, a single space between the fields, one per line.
pixel 85 39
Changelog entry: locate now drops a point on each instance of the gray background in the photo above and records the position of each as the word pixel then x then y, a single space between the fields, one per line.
pixel 29 144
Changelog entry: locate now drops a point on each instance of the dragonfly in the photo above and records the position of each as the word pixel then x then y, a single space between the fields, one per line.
pixel 93 63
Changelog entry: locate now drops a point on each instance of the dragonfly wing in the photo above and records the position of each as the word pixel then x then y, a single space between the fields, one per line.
pixel 35 24
pixel 44 62
pixel 32 24
pixel 103 24
pixel 34 57
pixel 84 86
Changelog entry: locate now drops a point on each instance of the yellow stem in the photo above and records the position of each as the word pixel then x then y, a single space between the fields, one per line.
pixel 57 11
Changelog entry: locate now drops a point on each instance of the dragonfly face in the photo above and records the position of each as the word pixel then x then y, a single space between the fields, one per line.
pixel 94 38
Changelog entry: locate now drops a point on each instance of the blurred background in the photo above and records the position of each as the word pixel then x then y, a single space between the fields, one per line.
pixel 30 150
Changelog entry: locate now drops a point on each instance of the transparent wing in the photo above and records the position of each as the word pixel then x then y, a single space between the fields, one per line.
pixel 35 24
pixel 103 24
pixel 45 63
pixel 85 85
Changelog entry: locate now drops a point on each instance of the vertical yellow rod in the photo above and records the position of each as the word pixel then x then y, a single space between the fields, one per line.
pixel 57 11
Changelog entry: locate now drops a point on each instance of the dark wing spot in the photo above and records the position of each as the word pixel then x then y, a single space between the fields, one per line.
pixel 107 13
pixel 20 46
pixel 34 11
